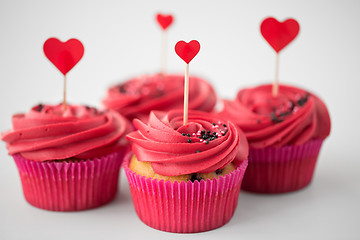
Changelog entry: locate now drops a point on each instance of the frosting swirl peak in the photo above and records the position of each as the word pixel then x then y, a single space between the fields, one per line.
pixel 138 96
pixel 292 118
pixel 48 133
pixel 204 145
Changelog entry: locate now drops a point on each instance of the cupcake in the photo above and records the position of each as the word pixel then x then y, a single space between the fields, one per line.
pixel 67 160
pixel 137 97
pixel 183 178
pixel 285 134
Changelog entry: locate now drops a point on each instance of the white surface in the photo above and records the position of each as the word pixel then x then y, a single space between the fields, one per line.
pixel 122 40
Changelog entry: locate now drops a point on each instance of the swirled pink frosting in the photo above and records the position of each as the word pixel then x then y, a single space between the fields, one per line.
pixel 138 96
pixel 204 145
pixel 294 117
pixel 48 133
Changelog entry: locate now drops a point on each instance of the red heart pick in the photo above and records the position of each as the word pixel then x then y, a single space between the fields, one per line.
pixel 279 34
pixel 164 20
pixel 187 51
pixel 64 55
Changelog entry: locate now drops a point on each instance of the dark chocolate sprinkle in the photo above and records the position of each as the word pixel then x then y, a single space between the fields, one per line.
pixel 224 125
pixel 280 117
pixel 40 107
pixel 287 113
pixel 208 136
pixel 198 151
pixel 302 101
pixel 183 134
pixel 273 117
pixel 218 171
pixel 292 106
pixel 195 177
pixel 122 89
pixel 213 124
pixel 188 135
pixel 189 140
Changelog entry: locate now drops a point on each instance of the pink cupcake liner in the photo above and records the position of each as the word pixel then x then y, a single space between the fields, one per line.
pixel 70 186
pixel 185 207
pixel 283 169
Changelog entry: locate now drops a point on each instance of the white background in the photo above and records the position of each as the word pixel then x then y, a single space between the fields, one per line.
pixel 122 40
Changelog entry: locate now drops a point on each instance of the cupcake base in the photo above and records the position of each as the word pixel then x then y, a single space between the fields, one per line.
pixel 185 207
pixel 70 186
pixel 280 170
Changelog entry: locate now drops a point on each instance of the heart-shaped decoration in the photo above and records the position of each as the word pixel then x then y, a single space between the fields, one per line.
pixel 64 55
pixel 279 34
pixel 164 20
pixel 187 51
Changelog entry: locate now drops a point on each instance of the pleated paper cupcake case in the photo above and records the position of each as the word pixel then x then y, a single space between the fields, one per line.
pixel 185 207
pixel 283 169
pixel 70 186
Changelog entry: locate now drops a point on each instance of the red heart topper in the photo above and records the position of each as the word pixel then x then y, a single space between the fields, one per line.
pixel 187 51
pixel 64 55
pixel 164 20
pixel 279 34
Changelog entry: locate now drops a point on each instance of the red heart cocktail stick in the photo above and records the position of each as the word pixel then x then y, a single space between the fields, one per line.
pixel 164 21
pixel 64 55
pixel 187 51
pixel 278 35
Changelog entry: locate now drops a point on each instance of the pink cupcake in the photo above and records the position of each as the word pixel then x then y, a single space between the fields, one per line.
pixel 285 134
pixel 184 178
pixel 68 160
pixel 137 97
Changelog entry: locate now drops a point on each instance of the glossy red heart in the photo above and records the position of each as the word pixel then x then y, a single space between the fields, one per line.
pixel 64 55
pixel 279 34
pixel 164 20
pixel 187 51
